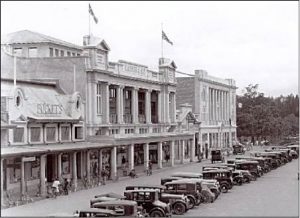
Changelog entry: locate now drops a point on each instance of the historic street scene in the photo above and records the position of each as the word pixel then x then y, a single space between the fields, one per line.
pixel 107 110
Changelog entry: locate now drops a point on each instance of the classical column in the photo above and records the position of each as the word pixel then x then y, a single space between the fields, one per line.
pixel 148 106
pixel 160 106
pixel 106 102
pixel 42 175
pixel 134 105
pixel 174 107
pixel 172 155
pixel 88 165
pixel 131 156
pixel 59 174
pixel 219 138
pixel 2 181
pixel 120 103
pixel 113 163
pixel 192 149
pixel 74 170
pixel 146 155
pixel 159 154
pixel 182 149
pixel 167 105
pixel 213 105
pixel 223 105
pixel 23 188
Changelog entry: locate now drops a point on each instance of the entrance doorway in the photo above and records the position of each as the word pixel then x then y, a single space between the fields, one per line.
pixel 50 169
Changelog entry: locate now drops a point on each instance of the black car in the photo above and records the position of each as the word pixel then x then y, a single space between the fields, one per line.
pixel 252 166
pixel 216 155
pixel 223 176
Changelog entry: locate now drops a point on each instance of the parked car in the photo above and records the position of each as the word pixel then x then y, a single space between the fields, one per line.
pixel 250 165
pixel 187 175
pixel 247 177
pixel 263 167
pixel 212 184
pixel 106 197
pixel 273 160
pixel 222 176
pixel 295 148
pixel 179 203
pixel 95 212
pixel 237 177
pixel 125 208
pixel 149 200
pixel 216 155
pixel 238 149
pixel 189 188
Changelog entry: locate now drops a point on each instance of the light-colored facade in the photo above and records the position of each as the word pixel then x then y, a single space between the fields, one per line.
pixel 213 102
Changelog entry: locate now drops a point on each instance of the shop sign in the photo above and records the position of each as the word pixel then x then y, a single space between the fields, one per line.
pixel 49 109
pixel 28 159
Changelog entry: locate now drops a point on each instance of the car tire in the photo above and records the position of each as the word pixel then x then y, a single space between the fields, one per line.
pixel 157 213
pixel 224 188
pixel 216 193
pixel 179 208
pixel 192 202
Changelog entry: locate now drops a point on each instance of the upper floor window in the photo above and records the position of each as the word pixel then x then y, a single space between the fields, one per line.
pixel 56 53
pixel 32 52
pixel 62 53
pixel 78 132
pixel 78 54
pixel 112 93
pixel 68 53
pixel 73 54
pixel 50 134
pixel 18 51
pixel 98 98
pixel 51 52
pixel 18 134
pixel 3 104
pixel 35 134
pixel 65 133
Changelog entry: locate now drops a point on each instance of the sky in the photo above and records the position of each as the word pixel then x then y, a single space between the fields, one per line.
pixel 252 42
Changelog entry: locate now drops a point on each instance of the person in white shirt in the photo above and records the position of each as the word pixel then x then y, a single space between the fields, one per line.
pixel 55 187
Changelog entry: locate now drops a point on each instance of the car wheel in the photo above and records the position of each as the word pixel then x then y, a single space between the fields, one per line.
pixel 216 193
pixel 179 208
pixel 192 202
pixel 156 213
pixel 224 188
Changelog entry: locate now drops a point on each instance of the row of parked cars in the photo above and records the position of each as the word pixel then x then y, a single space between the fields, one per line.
pixel 182 191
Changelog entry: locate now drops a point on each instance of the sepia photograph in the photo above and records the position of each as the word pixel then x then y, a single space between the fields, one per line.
pixel 149 109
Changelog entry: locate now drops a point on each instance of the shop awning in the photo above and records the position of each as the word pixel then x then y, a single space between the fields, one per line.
pixel 52 119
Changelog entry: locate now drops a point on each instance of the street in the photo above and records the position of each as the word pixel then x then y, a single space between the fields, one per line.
pixel 274 194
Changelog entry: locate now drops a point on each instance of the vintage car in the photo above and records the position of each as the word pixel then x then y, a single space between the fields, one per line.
pixel 274 162
pixel 179 203
pixel 187 175
pixel 238 149
pixel 284 156
pixel 294 148
pixel 106 197
pixel 252 166
pixel 237 177
pixel 216 155
pixel 189 188
pixel 149 200
pixel 264 167
pixel 222 176
pixel 95 212
pixel 120 208
pixel 247 177
pixel 212 184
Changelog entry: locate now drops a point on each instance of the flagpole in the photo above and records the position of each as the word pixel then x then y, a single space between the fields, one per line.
pixel 89 22
pixel 162 42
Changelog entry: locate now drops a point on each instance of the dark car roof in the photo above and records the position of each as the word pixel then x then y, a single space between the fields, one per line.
pixel 179 174
pixel 116 202
pixel 181 181
pixel 247 162
pixel 216 171
pixel 142 187
pixel 98 210
pixel 142 190
pixel 110 195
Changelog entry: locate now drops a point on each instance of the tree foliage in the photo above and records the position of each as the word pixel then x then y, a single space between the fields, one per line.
pixel 263 117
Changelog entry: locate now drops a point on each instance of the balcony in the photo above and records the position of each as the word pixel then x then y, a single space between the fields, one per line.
pixel 113 118
pixel 142 118
pixel 127 118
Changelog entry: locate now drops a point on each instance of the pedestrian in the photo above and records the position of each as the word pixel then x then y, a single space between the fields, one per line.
pixel 206 151
pixel 55 187
pixel 66 186
pixel 150 168
pixel 103 175
pixel 123 162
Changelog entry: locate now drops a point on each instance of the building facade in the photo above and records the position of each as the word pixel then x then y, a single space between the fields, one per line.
pixel 213 103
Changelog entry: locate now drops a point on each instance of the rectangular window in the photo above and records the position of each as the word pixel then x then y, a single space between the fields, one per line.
pixel 65 133
pixel 18 51
pixel 73 54
pixel 35 134
pixel 56 53
pixel 51 52
pixel 19 135
pixel 98 98
pixel 62 53
pixel 51 131
pixel 78 132
pixel 32 52
pixel 3 104
pixel 68 53
pixel 78 54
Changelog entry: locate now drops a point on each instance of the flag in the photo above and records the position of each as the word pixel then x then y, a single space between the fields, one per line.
pixel 165 37
pixel 92 13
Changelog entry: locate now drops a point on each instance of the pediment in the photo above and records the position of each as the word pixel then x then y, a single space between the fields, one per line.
pixel 21 118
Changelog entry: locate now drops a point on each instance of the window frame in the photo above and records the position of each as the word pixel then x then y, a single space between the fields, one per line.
pixel 56 133
pixel 13 136
pixel 98 99
pixel 70 132
pixel 41 134
pixel 30 49
pixel 74 129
